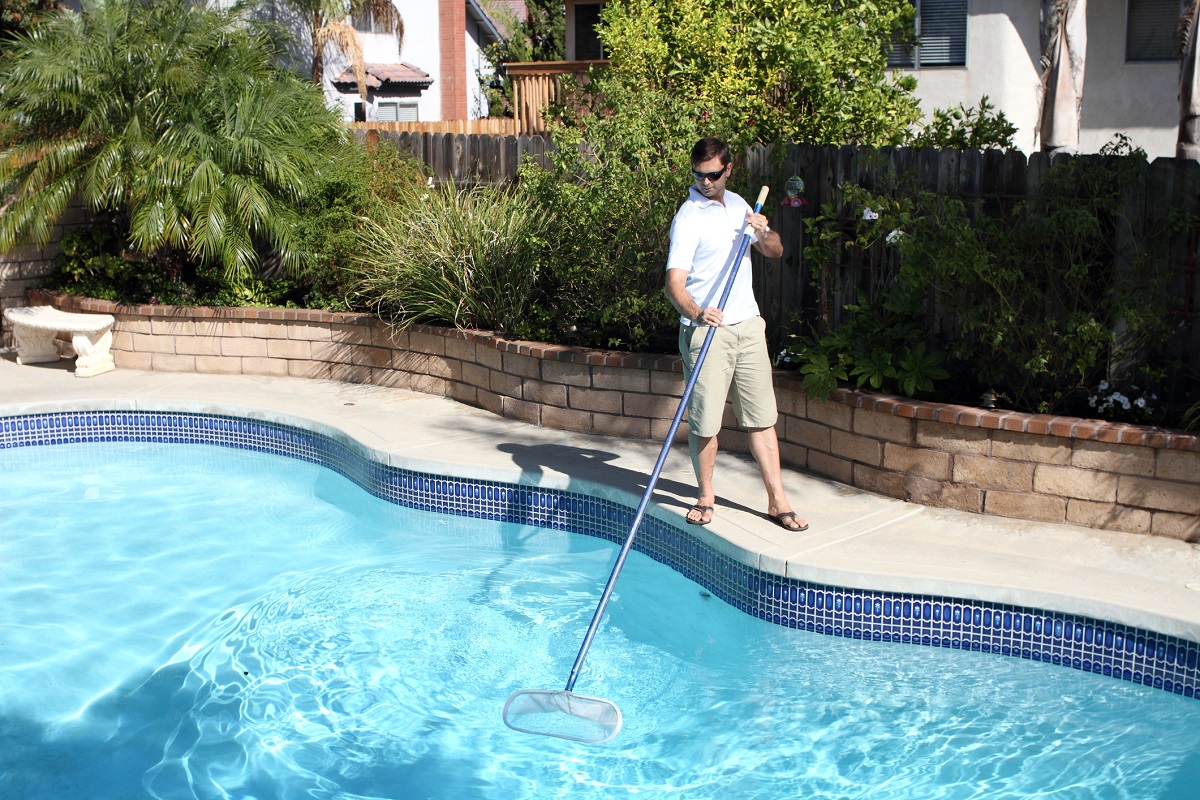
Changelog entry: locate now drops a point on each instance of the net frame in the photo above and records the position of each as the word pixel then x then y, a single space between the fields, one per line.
pixel 563 715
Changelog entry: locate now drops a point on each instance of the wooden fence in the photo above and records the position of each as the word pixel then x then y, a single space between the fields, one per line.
pixel 464 159
pixel 488 126
pixel 983 178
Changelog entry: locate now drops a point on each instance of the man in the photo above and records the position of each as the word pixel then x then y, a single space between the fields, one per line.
pixel 704 238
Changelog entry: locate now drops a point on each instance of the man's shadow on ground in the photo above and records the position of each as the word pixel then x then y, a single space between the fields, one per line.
pixel 586 464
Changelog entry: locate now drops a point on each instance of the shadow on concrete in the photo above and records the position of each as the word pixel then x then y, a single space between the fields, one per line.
pixel 581 463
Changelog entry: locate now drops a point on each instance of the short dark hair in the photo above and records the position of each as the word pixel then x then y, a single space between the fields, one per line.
pixel 711 147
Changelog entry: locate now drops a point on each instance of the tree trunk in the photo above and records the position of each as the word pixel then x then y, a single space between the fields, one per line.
pixel 1064 50
pixel 315 26
pixel 1188 145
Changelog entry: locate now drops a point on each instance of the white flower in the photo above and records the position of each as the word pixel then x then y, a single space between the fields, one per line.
pixel 870 214
pixel 1140 402
pixel 895 236
pixel 1103 385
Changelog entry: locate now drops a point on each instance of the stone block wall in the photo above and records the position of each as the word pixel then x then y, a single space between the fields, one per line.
pixel 1029 466
pixel 21 270
pixel 25 268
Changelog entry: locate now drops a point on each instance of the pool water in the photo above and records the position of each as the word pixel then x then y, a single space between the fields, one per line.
pixel 191 621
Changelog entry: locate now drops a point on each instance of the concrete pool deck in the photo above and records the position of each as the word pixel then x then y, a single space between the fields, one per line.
pixel 856 539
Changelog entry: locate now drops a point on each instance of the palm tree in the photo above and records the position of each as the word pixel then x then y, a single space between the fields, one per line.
pixel 327 22
pixel 166 115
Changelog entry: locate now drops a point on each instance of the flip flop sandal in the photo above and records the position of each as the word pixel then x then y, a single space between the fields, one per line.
pixel 778 519
pixel 703 510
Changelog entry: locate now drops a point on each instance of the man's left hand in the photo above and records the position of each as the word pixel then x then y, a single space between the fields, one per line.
pixel 758 222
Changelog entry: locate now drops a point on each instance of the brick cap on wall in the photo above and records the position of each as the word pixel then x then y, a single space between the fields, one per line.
pixel 951 414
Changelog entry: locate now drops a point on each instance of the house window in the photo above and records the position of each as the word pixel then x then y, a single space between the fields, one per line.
pixel 941 36
pixel 587 41
pixel 396 112
pixel 1150 30
pixel 364 22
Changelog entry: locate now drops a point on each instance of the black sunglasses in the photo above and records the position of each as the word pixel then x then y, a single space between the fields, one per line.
pixel 712 176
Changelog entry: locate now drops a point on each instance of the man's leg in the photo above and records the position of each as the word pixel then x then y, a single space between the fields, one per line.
pixel 764 446
pixel 704 462
pixel 705 408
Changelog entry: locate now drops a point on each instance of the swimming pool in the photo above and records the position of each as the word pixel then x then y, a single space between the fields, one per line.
pixel 291 665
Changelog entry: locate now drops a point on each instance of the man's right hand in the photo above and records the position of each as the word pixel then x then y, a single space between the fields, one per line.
pixel 710 316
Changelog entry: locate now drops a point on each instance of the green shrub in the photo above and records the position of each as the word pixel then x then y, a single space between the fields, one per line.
pixel 468 257
pixel 1026 302
pixel 357 183
pixel 617 176
pixel 962 128
pixel 94 262
pixel 881 348
pixel 169 117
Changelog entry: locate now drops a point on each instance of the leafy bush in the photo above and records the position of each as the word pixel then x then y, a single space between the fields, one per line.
pixel 94 262
pixel 1025 302
pixel 356 184
pixel 882 348
pixel 781 70
pixel 962 128
pixel 467 257
pixel 617 177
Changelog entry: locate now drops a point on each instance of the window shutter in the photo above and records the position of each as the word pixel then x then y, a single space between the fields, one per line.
pixel 386 112
pixel 1150 30
pixel 943 33
pixel 407 112
pixel 900 55
pixel 941 36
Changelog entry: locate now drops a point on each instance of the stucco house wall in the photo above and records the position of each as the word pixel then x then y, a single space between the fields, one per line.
pixel 443 38
pixel 1138 99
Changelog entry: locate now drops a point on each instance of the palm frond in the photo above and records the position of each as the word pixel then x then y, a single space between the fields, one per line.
pixel 343 36
pixel 387 15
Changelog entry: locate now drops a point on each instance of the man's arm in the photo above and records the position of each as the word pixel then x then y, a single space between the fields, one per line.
pixel 677 293
pixel 684 240
pixel 769 243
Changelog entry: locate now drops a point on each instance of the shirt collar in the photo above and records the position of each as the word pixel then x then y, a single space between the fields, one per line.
pixel 699 199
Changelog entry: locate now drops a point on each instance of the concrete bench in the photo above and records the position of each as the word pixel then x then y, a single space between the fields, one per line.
pixel 36 327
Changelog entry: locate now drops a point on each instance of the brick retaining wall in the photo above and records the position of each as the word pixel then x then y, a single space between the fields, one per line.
pixel 1030 466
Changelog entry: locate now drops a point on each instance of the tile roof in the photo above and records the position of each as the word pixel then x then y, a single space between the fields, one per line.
pixel 379 74
pixel 515 7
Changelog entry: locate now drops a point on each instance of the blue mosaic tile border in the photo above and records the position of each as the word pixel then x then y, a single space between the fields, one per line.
pixel 1092 645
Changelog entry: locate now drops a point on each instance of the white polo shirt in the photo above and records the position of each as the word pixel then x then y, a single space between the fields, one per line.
pixel 704 238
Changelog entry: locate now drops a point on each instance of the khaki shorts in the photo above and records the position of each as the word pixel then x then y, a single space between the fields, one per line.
pixel 737 367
